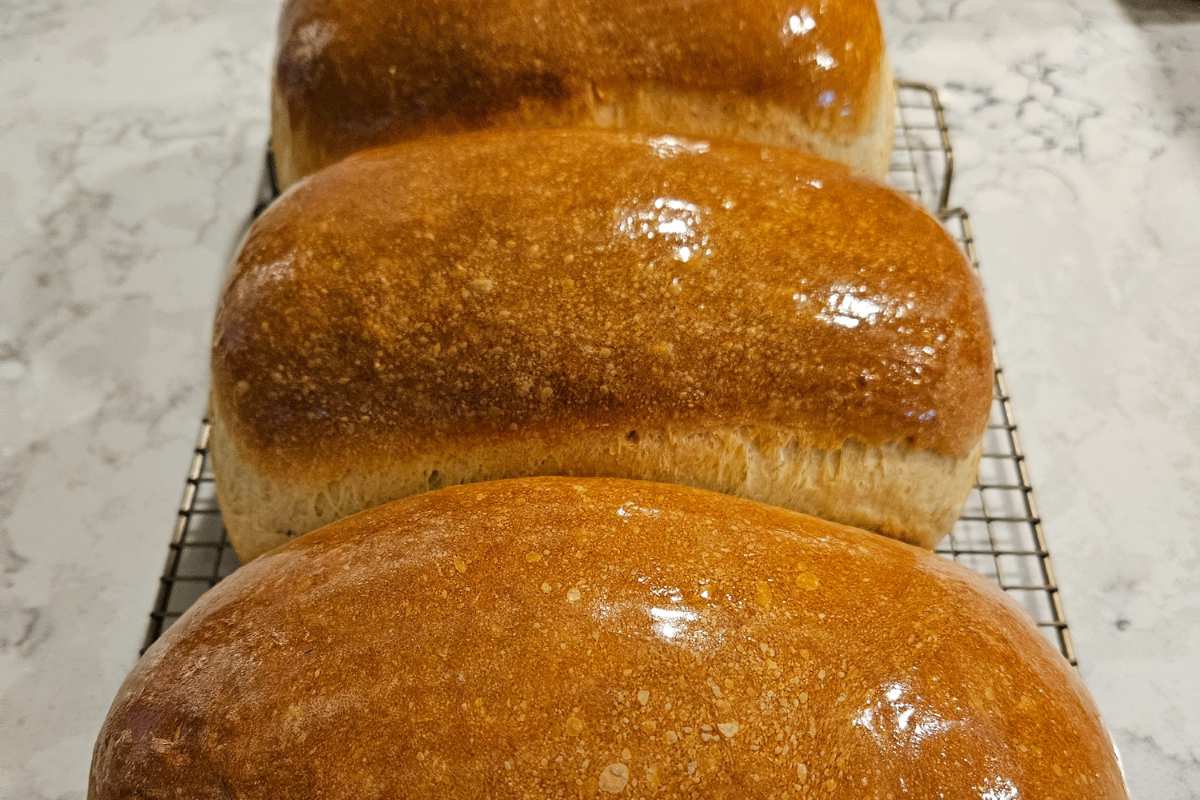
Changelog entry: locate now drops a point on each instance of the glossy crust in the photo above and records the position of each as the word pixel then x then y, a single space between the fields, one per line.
pixel 352 74
pixel 453 302
pixel 559 638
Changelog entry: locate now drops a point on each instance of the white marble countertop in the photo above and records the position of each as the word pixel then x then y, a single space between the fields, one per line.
pixel 130 138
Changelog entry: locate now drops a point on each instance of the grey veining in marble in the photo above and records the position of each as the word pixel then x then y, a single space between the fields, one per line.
pixel 1078 130
pixel 130 134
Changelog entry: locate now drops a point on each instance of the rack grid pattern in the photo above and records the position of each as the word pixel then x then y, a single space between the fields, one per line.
pixel 999 533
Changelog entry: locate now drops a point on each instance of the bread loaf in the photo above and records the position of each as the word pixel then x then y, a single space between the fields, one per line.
pixel 564 638
pixel 491 305
pixel 351 74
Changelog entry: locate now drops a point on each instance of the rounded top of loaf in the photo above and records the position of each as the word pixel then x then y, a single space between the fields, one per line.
pixel 501 284
pixel 560 637
pixel 356 73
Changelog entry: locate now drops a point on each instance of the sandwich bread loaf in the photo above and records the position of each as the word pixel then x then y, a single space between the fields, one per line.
pixel 566 638
pixel 352 74
pixel 751 320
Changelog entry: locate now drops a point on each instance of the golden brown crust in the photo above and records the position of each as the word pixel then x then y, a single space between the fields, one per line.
pixel 560 638
pixel 352 74
pixel 490 286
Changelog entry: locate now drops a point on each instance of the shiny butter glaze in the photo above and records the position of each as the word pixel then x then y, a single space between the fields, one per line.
pixel 356 73
pixel 554 638
pixel 503 284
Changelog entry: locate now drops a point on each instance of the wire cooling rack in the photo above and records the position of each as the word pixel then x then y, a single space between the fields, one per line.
pixel 999 533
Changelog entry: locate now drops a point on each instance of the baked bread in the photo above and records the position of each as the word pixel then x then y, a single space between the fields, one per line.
pixel 500 304
pixel 563 638
pixel 351 74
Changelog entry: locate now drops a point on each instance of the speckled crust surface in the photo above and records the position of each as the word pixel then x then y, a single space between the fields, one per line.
pixel 555 638
pixel 351 74
pixel 487 286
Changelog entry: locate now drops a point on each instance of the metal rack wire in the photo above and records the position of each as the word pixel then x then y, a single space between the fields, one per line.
pixel 999 533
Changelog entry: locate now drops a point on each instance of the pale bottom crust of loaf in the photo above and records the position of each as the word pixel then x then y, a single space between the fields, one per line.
pixel 909 494
pixel 656 108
